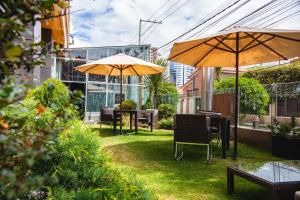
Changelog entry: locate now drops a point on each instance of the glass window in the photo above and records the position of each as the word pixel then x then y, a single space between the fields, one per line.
pixel 67 72
pixel 77 53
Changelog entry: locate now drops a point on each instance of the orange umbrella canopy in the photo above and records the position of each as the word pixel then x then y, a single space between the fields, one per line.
pixel 113 66
pixel 254 46
pixel 238 47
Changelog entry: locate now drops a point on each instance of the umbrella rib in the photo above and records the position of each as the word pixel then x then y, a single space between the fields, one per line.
pixel 283 37
pixel 112 69
pixel 232 50
pixel 257 44
pixel 247 45
pixel 134 70
pixel 222 49
pixel 266 46
pixel 199 60
pixel 184 51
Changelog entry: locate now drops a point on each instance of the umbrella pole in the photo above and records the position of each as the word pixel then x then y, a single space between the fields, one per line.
pixel 236 96
pixel 121 99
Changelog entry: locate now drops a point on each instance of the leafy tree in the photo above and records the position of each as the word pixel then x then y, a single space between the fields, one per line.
pixel 168 94
pixel 254 97
pixel 155 83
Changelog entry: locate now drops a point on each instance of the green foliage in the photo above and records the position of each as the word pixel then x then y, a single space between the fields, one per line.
pixel 166 111
pixel 285 130
pixel 166 123
pixel 17 52
pixel 155 83
pixel 28 132
pixel 279 74
pixel 254 97
pixel 52 91
pixel 128 105
pixel 168 94
pixel 84 173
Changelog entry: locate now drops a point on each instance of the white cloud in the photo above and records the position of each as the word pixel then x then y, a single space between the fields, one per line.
pixel 115 22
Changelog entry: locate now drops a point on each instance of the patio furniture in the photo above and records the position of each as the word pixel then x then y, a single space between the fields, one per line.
pixel 146 117
pixel 220 129
pixel 132 113
pixel 106 115
pixel 191 129
pixel 220 126
pixel 297 195
pixel 279 176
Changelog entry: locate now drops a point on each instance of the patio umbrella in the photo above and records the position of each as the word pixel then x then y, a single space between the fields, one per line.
pixel 120 65
pixel 238 47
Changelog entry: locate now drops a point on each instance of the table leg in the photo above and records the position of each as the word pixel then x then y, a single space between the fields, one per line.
pixel 230 182
pixel 151 121
pixel 274 194
pixel 136 123
pixel 115 122
pixel 228 134
pixel 130 121
pixel 224 138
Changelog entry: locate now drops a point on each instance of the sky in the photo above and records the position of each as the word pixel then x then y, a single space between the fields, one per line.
pixel 116 22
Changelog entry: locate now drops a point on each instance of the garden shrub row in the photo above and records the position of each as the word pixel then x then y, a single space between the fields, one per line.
pixel 84 173
pixel 50 154
pixel 279 74
pixel 253 96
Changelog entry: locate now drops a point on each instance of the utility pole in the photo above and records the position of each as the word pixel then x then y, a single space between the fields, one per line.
pixel 140 27
pixel 141 80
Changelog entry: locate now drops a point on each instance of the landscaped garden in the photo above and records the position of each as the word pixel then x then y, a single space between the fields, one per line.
pixel 150 156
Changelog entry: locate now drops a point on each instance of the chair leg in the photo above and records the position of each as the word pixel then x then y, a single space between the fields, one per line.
pixel 176 151
pixel 209 153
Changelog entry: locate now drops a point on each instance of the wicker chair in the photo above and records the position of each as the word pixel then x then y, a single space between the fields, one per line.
pixel 106 115
pixel 192 129
pixel 297 195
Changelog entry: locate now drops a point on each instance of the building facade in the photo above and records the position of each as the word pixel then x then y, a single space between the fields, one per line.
pixel 100 91
pixel 179 73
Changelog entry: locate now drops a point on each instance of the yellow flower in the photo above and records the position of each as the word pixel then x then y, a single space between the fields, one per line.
pixel 40 108
pixel 4 124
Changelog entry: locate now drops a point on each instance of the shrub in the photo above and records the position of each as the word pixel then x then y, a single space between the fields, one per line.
pixel 128 105
pixel 166 123
pixel 52 91
pixel 168 94
pixel 84 173
pixel 166 111
pixel 285 130
pixel 254 97
pixel 279 74
pixel 28 133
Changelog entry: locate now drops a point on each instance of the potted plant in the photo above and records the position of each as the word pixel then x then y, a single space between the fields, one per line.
pixel 285 139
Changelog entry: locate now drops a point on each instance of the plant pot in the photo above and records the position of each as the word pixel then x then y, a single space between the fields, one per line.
pixel 288 148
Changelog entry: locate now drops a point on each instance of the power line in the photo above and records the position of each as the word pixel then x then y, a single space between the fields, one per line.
pixel 165 3
pixel 155 26
pixel 277 11
pixel 195 27
pixel 275 14
pixel 161 16
pixel 218 20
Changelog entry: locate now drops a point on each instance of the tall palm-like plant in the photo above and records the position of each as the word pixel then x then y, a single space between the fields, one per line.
pixel 155 82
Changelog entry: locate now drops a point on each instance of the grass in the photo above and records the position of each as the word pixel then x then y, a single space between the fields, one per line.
pixel 150 157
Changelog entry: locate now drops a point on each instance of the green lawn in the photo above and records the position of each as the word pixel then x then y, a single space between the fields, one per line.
pixel 150 157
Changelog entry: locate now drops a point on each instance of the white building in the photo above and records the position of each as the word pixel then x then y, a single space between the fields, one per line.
pixel 179 73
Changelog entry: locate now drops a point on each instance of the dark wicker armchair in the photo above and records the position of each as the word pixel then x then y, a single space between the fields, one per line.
pixel 297 195
pixel 193 130
pixel 106 115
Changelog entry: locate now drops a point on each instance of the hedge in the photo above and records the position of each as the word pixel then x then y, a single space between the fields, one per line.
pixel 279 74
